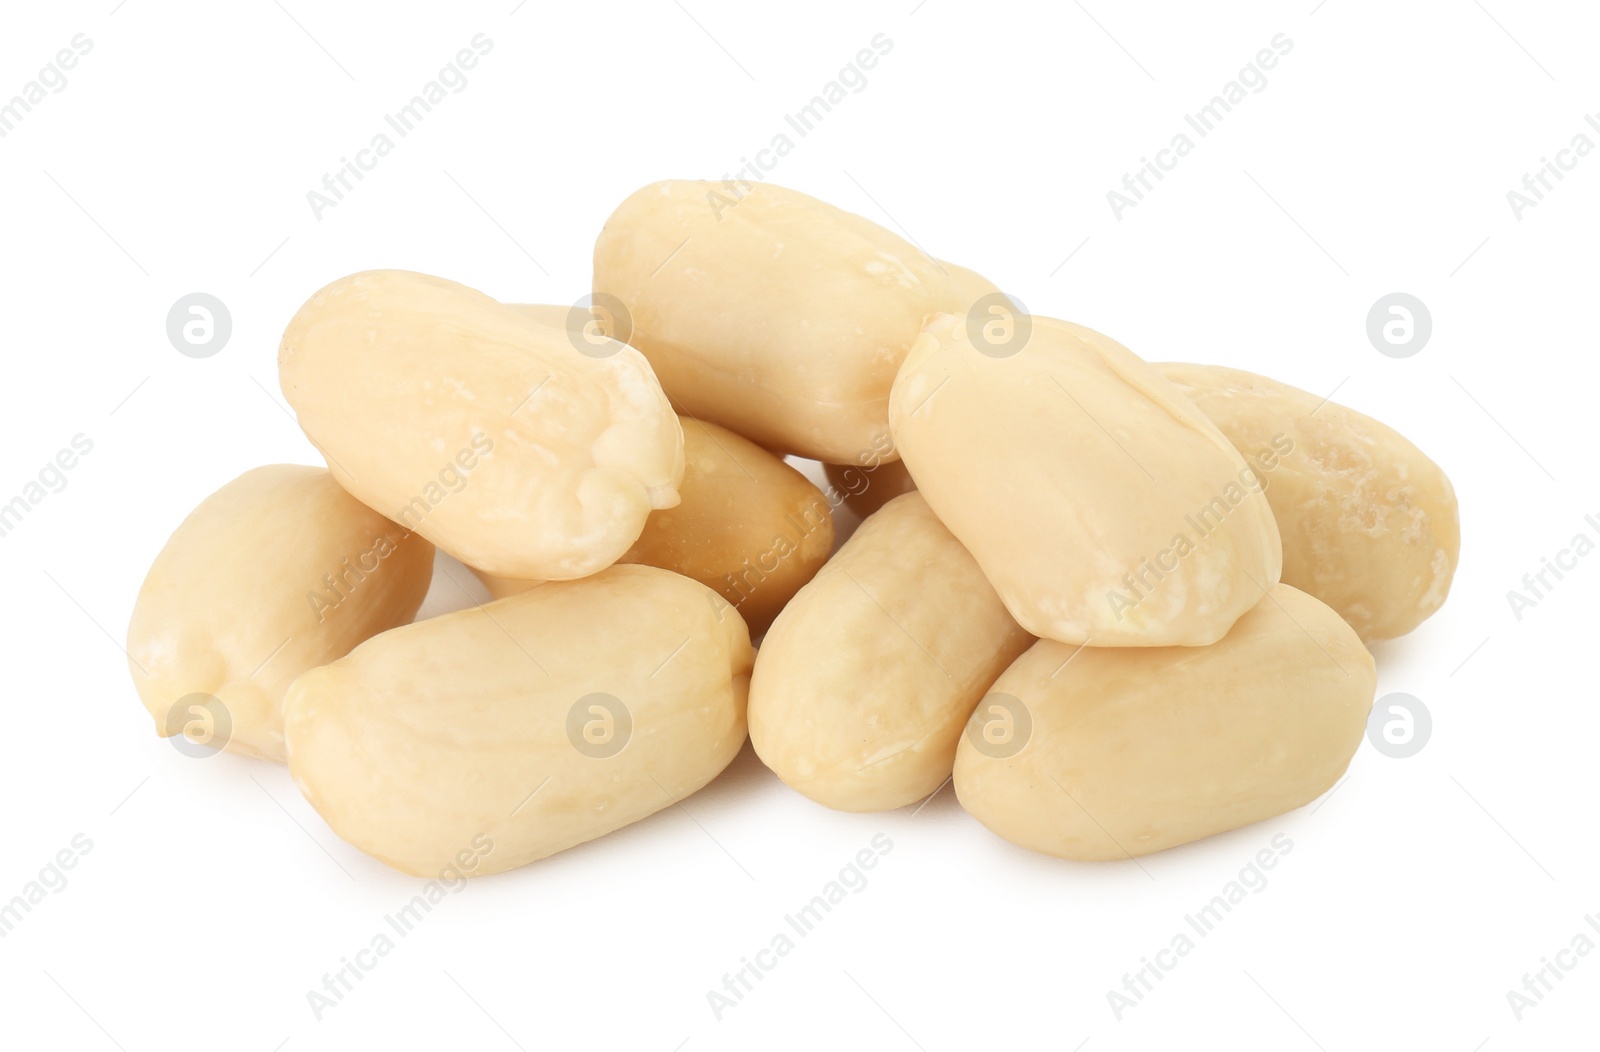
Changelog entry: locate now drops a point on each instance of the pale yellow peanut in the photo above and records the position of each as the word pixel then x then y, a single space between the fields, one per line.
pixel 552 315
pixel 530 724
pixel 1101 504
pixel 872 480
pixel 277 572
pixel 1370 525
pixel 585 326
pixel 486 432
pixel 866 487
pixel 969 283
pixel 500 587
pixel 1097 753
pixel 768 311
pixel 865 680
pixel 749 526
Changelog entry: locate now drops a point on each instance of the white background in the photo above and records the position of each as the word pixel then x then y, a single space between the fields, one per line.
pixel 1377 159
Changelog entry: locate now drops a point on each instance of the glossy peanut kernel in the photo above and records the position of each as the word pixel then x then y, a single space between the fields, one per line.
pixel 865 680
pixel 1370 525
pixel 773 314
pixel 1098 753
pixel 536 722
pixel 277 572
pixel 749 526
pixel 489 433
pixel 1101 504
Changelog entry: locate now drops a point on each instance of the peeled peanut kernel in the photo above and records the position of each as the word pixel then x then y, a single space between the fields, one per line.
pixel 770 312
pixel 1370 525
pixel 556 317
pixel 1100 754
pixel 534 723
pixel 500 587
pixel 872 479
pixel 969 283
pixel 868 486
pixel 1100 503
pixel 277 572
pixel 863 683
pixel 484 431
pixel 750 526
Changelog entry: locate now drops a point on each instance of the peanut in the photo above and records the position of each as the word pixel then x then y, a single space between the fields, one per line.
pixel 775 315
pixel 1370 525
pixel 537 722
pixel 488 433
pixel 969 283
pixel 865 680
pixel 750 526
pixel 1100 754
pixel 277 572
pixel 1100 503
pixel 868 486
pixel 549 315
pixel 873 479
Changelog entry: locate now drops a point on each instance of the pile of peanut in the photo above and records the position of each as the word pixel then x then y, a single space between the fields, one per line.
pixel 1124 605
